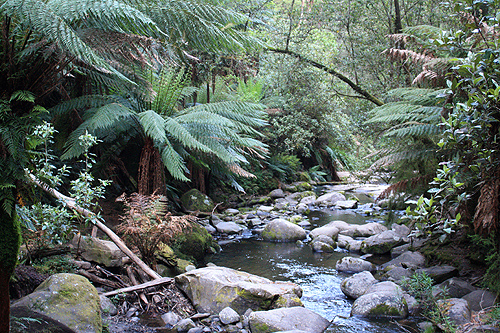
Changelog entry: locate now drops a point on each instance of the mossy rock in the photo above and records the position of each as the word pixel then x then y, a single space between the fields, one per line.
pixel 69 299
pixel 194 200
pixel 194 244
pixel 302 186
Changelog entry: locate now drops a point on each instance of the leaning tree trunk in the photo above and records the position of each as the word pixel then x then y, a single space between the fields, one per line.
pixel 151 171
pixel 10 240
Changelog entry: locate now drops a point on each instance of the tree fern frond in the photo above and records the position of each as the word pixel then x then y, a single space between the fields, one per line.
pixel 173 161
pixel 42 19
pixel 107 15
pixel 84 102
pixel 180 133
pixel 413 129
pixel 153 125
pixel 406 155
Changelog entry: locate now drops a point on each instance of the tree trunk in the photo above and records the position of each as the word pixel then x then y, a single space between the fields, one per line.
pixel 10 240
pixel 151 171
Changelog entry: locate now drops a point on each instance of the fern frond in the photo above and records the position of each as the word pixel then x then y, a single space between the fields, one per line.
pixel 153 125
pixel 173 161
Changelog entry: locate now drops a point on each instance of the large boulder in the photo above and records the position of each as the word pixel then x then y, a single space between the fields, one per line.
pixel 349 243
pixel 439 273
pixel 326 230
pixel 67 298
pixel 276 194
pixel 280 230
pixel 480 299
pixel 194 243
pixel 229 228
pixel 347 204
pixel 354 265
pixel 454 288
pixel 212 289
pixel 193 200
pixel 407 259
pixel 356 285
pixel 287 319
pixel 329 199
pixel 97 250
pixel 368 229
pixel 383 299
pixel 381 243
pixel 456 309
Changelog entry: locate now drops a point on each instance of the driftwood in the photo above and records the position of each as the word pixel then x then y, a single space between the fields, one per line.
pixel 95 278
pixel 153 283
pixel 130 273
pixel 70 202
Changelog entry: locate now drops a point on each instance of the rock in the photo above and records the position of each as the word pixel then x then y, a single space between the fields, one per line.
pixel 300 187
pixel 280 230
pixel 287 319
pixel 329 199
pixel 254 222
pixel 356 285
pixel 406 259
pixel 195 242
pixel 229 316
pixel 324 239
pixel 456 309
pixel 368 229
pixel 232 211
pixel 265 209
pixel 413 305
pixel 439 273
pixel 67 298
pixel 454 288
pixel 401 230
pixel 193 200
pixel 277 193
pixel 319 247
pixel 381 243
pixel 399 250
pixel 211 230
pixel 304 224
pixel 347 204
pixel 184 325
pixel 211 289
pixel 383 299
pixel 309 200
pixel 354 265
pixel 229 228
pixel 302 209
pixel 97 250
pixel 397 274
pixel 107 307
pixel 170 319
pixel 38 322
pixel 348 243
pixel 281 203
pixel 480 299
pixel 296 219
pixel 329 231
pixel 484 329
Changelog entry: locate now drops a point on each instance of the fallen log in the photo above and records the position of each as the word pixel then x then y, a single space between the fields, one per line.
pixel 71 203
pixel 95 278
pixel 153 283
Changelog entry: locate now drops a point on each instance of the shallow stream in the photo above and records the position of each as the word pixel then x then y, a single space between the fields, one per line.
pixel 314 272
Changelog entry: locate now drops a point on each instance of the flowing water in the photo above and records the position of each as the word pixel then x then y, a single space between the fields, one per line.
pixel 314 272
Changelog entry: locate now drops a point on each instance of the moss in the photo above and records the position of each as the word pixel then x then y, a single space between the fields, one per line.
pixel 384 310
pixel 194 244
pixel 194 200
pixel 261 328
pixel 10 238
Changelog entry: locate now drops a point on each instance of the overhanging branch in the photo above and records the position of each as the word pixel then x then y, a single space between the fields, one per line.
pixel 333 72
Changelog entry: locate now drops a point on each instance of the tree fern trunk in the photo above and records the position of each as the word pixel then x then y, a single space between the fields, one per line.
pixel 151 170
pixel 10 240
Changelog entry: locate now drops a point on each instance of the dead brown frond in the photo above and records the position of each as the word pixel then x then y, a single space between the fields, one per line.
pixel 408 55
pixel 404 185
pixel 401 38
pixel 486 218
pixel 428 76
pixel 237 170
pixel 147 223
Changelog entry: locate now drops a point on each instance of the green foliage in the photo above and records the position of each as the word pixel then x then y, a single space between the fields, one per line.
pixel 485 248
pixel 420 286
pixel 54 265
pixel 51 225
pixel 438 215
